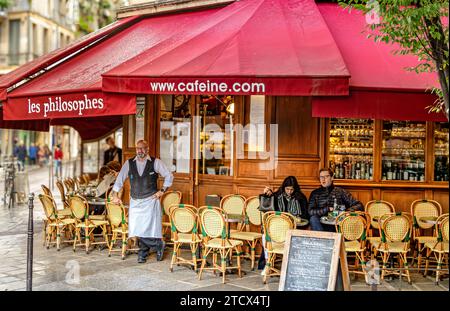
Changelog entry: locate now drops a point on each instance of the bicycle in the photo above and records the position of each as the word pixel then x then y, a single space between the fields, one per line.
pixel 10 193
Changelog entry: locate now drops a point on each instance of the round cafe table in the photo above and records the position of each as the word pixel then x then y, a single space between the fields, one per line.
pixel 428 220
pixel 326 220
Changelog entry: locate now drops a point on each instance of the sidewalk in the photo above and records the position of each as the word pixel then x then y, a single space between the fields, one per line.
pixel 66 270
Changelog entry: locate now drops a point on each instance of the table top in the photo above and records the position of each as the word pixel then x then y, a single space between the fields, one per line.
pixel 234 218
pixel 328 220
pixel 428 219
pixel 96 201
pixel 301 222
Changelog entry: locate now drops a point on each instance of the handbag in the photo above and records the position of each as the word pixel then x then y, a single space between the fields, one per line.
pixel 266 203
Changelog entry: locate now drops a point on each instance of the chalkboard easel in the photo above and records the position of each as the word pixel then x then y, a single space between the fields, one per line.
pixel 314 261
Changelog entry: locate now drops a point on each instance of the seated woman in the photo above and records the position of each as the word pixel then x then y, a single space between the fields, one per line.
pixel 114 165
pixel 289 199
pixel 106 177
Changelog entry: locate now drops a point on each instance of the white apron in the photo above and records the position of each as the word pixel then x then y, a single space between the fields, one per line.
pixel 145 218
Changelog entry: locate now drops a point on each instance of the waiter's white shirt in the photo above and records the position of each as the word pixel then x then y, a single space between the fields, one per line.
pixel 145 215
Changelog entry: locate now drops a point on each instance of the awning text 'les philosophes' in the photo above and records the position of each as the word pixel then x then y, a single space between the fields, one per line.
pixel 57 104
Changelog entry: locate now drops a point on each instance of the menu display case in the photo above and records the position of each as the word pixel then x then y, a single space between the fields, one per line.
pixel 403 150
pixel 441 154
pixel 351 148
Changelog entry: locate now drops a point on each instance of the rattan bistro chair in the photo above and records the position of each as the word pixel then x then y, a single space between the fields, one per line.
pixel 421 209
pixel 168 199
pixel 395 232
pixel 54 224
pixel 353 227
pixel 440 246
pixel 216 241
pixel 276 226
pixel 375 209
pixel 184 227
pixel 252 217
pixel 62 192
pixel 80 211
pixel 119 227
pixel 233 204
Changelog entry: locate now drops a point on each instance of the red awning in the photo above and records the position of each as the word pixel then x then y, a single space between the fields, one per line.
pixel 32 125
pixel 28 69
pixel 272 47
pixel 76 83
pixel 380 87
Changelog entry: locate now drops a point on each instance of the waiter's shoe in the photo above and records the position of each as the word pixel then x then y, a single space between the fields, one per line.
pixel 160 252
pixel 142 260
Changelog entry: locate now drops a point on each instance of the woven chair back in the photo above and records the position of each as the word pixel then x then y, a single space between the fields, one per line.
pixel 212 222
pixel 252 211
pixel 377 208
pixel 233 204
pixel 86 178
pixel 78 206
pixel 115 214
pixel 353 227
pixel 277 226
pixel 60 186
pixel 170 198
pixel 68 184
pixel 46 190
pixel 183 218
pixel 442 224
pixel 397 228
pixel 425 208
pixel 49 206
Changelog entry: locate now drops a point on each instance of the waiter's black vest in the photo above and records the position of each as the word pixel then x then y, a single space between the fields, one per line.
pixel 142 186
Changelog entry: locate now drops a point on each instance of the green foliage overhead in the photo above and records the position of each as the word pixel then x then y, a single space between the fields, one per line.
pixel 420 27
pixel 4 4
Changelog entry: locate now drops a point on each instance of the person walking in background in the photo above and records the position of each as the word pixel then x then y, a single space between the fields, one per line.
pixel 32 154
pixel 41 156
pixel 20 152
pixel 145 215
pixel 58 156
pixel 47 154
pixel 113 153
pixel 328 197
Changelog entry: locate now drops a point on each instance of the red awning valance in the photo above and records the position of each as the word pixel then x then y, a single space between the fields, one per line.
pixel 380 85
pixel 272 47
pixel 386 105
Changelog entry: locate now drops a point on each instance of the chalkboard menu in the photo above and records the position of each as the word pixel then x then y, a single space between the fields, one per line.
pixel 311 260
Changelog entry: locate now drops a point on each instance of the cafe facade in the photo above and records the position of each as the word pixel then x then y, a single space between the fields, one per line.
pixel 235 96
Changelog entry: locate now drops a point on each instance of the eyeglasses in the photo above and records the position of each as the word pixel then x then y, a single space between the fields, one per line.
pixel 324 177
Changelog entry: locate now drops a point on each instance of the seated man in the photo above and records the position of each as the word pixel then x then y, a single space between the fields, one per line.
pixel 322 201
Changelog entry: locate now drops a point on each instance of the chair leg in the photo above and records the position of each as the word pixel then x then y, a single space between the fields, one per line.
pixel 223 264
pixel 174 256
pixel 58 237
pixel 439 266
pixel 194 256
pixel 214 263
pixel 404 259
pixel 203 263
pixel 124 245
pixel 113 241
pixel 87 239
pixel 252 253
pixel 239 261
pixel 385 257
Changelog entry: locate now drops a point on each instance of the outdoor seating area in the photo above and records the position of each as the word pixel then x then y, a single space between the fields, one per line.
pixel 220 238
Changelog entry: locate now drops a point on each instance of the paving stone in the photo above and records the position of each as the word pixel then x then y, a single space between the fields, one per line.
pixel 8 279
pixel 220 287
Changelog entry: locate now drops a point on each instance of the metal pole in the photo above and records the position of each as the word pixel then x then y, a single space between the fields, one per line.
pixel 30 242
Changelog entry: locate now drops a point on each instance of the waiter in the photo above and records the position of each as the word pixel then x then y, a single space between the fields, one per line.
pixel 145 215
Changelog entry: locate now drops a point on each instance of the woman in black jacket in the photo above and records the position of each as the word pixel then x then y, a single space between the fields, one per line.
pixel 289 199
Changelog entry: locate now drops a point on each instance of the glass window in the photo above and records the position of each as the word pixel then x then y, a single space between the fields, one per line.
pixel 136 124
pixel 351 148
pixel 216 136
pixel 441 151
pixel 175 132
pixel 91 157
pixel 403 151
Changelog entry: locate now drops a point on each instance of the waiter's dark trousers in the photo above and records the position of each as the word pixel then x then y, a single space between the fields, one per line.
pixel 149 244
